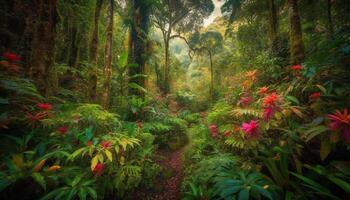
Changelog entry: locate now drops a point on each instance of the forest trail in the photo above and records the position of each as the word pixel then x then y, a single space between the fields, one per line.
pixel 168 185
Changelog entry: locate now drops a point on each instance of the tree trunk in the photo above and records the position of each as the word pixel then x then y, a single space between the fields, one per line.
pixel 45 17
pixel 93 53
pixel 329 18
pixel 108 58
pixel 166 84
pixel 273 22
pixel 211 76
pixel 295 33
pixel 138 45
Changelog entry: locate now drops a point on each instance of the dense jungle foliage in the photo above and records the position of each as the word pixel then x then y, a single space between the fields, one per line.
pixel 175 99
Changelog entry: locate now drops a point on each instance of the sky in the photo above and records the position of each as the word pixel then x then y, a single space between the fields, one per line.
pixel 216 13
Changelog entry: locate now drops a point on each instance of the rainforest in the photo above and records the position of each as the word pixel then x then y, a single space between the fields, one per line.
pixel 174 99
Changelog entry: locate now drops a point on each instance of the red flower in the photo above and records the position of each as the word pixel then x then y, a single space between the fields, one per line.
pixel 44 106
pixel 98 169
pixel 314 96
pixel 263 90
pixel 296 67
pixel 246 100
pixel 106 144
pixel 270 100
pixel 213 130
pixel 227 133
pixel 268 113
pixel 251 129
pixel 341 122
pixel 62 130
pixel 11 57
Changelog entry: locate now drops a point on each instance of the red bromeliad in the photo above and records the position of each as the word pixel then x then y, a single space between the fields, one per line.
pixel 63 130
pixel 251 129
pixel 341 122
pixel 11 57
pixel 263 90
pixel 268 113
pixel 296 67
pixel 98 169
pixel 246 100
pixel 314 96
pixel 106 144
pixel 44 106
pixel 214 130
pixel 270 100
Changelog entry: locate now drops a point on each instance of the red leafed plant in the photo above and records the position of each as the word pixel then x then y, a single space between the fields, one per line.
pixel 340 121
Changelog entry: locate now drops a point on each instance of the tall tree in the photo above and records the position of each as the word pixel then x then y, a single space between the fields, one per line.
pixel 108 57
pixel 138 44
pixel 41 20
pixel 209 43
pixel 273 21
pixel 93 52
pixel 329 18
pixel 295 33
pixel 174 17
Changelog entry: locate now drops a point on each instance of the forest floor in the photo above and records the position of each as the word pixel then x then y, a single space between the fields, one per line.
pixel 168 185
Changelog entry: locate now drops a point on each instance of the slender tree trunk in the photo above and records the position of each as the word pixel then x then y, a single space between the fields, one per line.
pixel 211 76
pixel 93 53
pixel 108 58
pixel 166 71
pixel 295 33
pixel 45 17
pixel 137 53
pixel 329 18
pixel 273 22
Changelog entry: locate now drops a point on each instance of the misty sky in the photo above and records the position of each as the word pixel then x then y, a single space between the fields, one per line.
pixel 216 13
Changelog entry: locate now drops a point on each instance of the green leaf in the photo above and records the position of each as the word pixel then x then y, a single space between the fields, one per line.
pixel 92 192
pixel 123 59
pixel 262 191
pixel 293 99
pixel 39 179
pixel 109 155
pixel 342 184
pixel 323 89
pixel 243 194
pixel 326 148
pixel 76 153
pixel 82 193
pixel 138 87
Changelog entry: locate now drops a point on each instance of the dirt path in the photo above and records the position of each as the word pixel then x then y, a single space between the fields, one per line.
pixel 170 182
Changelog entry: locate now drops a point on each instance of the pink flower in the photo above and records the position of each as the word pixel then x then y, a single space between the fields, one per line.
pixel 251 129
pixel 246 100
pixel 296 67
pixel 340 122
pixel 106 144
pixel 44 106
pixel 214 130
pixel 11 57
pixel 268 113
pixel 62 130
pixel 314 96
pixel 98 169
